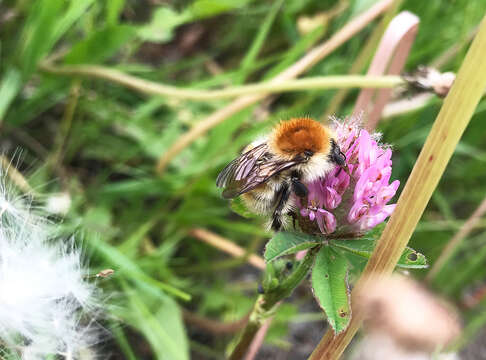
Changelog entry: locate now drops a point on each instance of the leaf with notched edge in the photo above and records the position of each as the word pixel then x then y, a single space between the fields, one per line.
pixel 411 259
pixel 363 247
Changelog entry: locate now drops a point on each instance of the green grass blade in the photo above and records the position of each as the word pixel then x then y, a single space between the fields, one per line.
pixel 164 333
pixel 249 60
pixel 10 86
pixel 121 263
pixel 100 45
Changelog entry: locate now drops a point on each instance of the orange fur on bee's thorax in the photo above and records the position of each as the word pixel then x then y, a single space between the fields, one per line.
pixel 295 136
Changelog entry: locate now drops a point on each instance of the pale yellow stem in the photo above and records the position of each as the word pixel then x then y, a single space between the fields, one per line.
pixel 16 177
pixel 444 136
pixel 157 89
pixel 227 246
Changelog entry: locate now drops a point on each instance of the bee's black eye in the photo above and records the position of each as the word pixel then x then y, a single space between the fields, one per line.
pixel 308 153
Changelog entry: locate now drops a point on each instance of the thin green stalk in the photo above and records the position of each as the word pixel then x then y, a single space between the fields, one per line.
pixel 267 303
pixel 258 42
pixel 122 341
pixel 65 125
pixel 444 136
pixel 153 88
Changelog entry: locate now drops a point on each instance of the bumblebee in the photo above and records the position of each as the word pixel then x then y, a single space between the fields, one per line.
pixel 273 167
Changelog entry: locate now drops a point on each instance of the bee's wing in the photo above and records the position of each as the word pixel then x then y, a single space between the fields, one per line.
pixel 261 173
pixel 249 170
pixel 240 167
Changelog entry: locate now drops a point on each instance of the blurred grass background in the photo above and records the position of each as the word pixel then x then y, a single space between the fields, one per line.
pixel 99 143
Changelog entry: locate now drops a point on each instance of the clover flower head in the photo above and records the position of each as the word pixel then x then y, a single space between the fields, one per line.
pixel 355 198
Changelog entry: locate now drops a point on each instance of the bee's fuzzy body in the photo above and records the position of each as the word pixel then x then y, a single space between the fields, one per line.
pixel 273 167
pixel 264 198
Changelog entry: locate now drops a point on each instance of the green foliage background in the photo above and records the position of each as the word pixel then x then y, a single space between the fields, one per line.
pixel 100 143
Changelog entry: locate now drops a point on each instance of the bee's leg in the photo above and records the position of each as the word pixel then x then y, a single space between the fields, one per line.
pixel 298 187
pixel 293 215
pixel 282 197
pixel 337 156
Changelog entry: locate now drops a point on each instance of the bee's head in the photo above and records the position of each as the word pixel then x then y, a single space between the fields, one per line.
pixel 302 137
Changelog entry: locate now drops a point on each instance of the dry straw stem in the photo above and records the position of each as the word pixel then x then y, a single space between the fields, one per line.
pixel 227 246
pixel 451 122
pixel 153 88
pixel 15 176
pixel 309 60
pixel 465 230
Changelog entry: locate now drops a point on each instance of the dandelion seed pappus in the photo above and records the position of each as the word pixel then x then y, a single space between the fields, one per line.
pixel 277 165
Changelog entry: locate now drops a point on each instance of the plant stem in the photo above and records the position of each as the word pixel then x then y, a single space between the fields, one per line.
pixel 15 176
pixel 227 246
pixel 62 135
pixel 153 88
pixel 451 122
pixel 267 304
pixel 257 341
